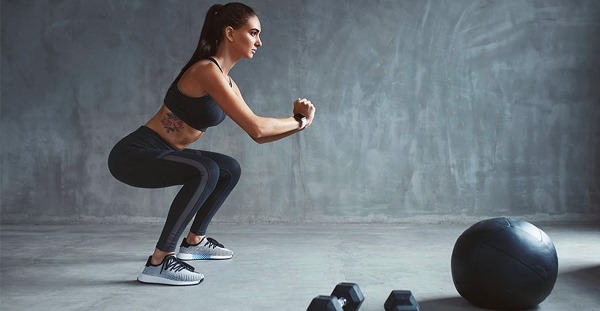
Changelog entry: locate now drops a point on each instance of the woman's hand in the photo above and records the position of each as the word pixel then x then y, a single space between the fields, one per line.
pixel 304 107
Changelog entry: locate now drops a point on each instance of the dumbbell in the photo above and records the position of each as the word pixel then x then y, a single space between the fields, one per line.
pixel 345 297
pixel 401 300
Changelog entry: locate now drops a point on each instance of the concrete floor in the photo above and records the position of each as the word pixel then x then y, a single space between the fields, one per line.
pixel 276 267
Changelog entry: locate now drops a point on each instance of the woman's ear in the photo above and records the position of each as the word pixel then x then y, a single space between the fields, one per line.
pixel 229 33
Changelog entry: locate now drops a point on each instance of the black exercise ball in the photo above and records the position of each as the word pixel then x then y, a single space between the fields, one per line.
pixel 504 264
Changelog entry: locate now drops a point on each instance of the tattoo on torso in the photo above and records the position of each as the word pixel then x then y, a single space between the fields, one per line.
pixel 172 123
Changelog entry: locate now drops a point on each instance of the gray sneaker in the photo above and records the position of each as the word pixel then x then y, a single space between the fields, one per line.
pixel 171 271
pixel 208 248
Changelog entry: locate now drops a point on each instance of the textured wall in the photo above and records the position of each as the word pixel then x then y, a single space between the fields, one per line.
pixel 434 109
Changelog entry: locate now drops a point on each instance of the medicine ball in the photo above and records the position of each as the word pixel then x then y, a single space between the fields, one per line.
pixel 504 264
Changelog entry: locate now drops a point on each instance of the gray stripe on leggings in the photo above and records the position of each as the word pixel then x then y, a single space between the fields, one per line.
pixel 203 182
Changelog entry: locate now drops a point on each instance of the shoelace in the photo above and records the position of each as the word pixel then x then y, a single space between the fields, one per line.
pixel 176 265
pixel 213 243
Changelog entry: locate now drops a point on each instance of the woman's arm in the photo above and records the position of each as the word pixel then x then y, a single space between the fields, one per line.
pixel 261 129
pixel 273 138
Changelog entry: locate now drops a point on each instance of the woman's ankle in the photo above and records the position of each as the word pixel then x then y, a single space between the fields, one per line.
pixel 193 239
pixel 159 256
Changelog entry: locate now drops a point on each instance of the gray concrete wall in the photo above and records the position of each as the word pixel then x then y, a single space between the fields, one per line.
pixel 426 109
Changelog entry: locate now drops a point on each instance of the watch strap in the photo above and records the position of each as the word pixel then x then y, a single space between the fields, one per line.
pixel 301 119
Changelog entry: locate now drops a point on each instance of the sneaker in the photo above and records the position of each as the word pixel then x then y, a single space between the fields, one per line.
pixel 171 271
pixel 208 248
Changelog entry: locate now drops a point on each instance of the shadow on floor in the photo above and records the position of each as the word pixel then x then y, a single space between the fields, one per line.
pixel 589 276
pixel 447 304
pixel 451 304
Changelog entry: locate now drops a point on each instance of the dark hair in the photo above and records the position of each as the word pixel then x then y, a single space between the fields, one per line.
pixel 218 18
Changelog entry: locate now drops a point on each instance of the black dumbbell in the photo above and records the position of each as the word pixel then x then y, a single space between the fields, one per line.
pixel 401 300
pixel 345 296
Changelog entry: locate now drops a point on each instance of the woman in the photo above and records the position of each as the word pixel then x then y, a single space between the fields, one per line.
pixel 155 155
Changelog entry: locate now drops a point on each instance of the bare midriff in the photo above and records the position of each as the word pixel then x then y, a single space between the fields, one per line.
pixel 173 130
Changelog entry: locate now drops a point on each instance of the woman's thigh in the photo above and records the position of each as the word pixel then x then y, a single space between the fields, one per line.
pixel 150 168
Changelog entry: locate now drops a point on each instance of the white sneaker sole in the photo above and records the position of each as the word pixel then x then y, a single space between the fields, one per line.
pixel 185 256
pixel 144 278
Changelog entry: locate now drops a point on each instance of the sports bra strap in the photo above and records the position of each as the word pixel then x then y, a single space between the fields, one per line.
pixel 216 63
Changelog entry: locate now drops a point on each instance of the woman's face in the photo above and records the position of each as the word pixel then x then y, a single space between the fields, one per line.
pixel 246 39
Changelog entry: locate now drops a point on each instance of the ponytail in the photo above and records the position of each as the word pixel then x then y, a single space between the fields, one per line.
pixel 211 32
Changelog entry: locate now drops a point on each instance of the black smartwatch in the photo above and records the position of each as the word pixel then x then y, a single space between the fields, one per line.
pixel 301 119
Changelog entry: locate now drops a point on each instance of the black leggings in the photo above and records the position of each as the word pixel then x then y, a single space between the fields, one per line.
pixel 143 159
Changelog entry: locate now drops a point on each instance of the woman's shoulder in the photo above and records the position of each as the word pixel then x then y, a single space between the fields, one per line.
pixel 204 66
pixel 204 71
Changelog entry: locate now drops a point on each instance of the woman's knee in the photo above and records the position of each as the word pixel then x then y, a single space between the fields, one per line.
pixel 230 168
pixel 233 168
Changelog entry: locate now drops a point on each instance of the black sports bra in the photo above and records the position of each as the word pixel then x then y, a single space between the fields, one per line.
pixel 198 112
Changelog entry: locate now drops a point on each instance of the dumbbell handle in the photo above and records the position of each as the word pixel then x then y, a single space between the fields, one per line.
pixel 342 301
